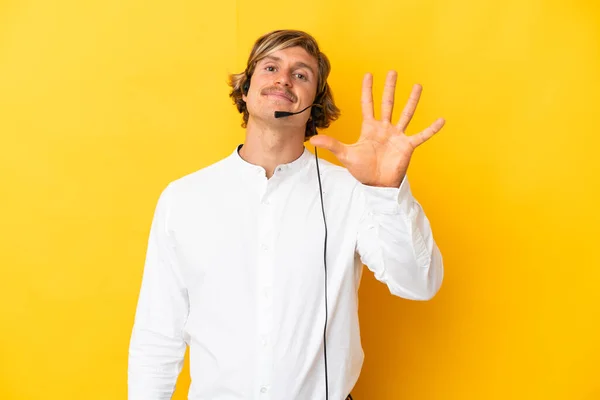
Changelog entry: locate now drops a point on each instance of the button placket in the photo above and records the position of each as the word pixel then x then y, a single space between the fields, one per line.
pixel 265 259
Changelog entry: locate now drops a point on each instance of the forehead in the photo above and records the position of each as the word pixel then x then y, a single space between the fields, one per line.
pixel 293 55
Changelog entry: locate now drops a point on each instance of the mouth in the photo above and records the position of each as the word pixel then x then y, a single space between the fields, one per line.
pixel 281 95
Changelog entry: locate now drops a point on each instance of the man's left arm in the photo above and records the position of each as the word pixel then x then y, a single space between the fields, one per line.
pixel 395 241
pixel 394 238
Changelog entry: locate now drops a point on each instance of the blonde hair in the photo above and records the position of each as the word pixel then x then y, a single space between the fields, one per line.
pixel 279 40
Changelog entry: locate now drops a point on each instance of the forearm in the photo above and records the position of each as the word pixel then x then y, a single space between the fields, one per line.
pixel 155 362
pixel 396 242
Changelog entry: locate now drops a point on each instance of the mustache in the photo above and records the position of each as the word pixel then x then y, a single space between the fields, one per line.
pixel 276 90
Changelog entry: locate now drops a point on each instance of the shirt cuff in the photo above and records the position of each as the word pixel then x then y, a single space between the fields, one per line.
pixel 389 200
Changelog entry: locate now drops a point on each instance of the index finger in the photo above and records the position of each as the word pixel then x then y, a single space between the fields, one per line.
pixel 367 96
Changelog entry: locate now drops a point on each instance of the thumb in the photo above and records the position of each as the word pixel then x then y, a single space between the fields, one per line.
pixel 329 143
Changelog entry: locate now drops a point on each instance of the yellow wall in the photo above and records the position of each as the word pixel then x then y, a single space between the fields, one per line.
pixel 102 103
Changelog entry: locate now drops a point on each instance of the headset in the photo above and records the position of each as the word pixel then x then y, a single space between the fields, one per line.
pixel 317 108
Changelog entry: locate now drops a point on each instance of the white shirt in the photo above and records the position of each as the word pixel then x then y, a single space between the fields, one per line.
pixel 234 269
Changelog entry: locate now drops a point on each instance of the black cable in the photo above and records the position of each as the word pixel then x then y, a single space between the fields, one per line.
pixel 325 265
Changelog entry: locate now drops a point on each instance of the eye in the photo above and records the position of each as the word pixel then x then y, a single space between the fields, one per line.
pixel 301 76
pixel 270 68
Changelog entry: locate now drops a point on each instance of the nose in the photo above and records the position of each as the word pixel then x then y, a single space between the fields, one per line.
pixel 283 78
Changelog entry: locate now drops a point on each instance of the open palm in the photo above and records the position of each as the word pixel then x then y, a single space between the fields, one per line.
pixel 382 154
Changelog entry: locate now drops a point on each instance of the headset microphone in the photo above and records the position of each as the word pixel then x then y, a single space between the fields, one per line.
pixel 281 114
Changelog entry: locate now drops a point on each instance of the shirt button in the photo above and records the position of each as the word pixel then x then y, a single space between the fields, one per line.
pixel 264 247
pixel 263 341
pixel 264 389
pixel 267 293
pixel 266 202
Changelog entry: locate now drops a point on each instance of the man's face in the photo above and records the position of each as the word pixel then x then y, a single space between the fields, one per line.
pixel 285 80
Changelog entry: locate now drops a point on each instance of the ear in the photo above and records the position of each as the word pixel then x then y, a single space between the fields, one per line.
pixel 313 112
pixel 245 89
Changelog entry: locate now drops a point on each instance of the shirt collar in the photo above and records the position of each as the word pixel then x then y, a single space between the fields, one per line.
pixel 285 169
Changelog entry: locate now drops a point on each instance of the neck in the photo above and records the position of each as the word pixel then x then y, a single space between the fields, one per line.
pixel 269 146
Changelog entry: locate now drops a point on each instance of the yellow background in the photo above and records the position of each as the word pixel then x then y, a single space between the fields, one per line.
pixel 102 103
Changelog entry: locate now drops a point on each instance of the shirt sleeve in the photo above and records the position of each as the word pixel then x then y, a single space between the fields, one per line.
pixel 157 345
pixel 395 242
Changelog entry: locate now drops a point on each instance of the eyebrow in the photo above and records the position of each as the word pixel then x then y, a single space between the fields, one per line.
pixel 297 63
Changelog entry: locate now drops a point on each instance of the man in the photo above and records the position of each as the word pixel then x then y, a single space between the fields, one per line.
pixel 255 268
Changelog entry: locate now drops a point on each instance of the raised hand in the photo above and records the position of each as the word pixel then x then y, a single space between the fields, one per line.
pixel 383 151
